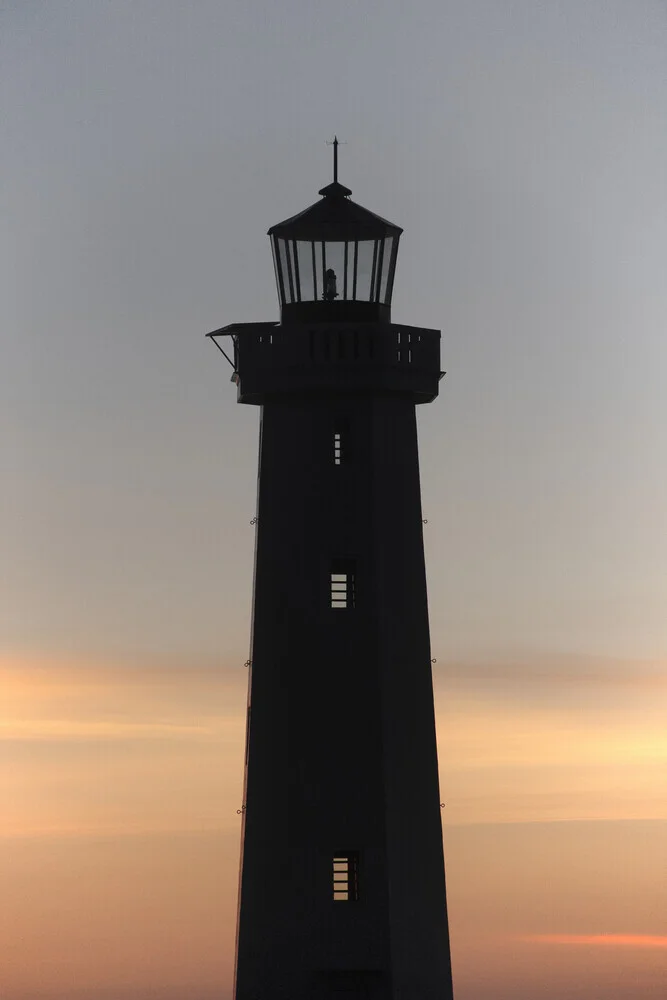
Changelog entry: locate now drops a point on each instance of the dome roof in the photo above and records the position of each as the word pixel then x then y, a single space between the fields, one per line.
pixel 335 218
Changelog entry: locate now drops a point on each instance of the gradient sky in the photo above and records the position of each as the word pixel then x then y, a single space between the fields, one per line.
pixel 148 146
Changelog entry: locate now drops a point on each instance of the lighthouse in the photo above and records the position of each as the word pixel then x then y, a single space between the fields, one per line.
pixel 342 884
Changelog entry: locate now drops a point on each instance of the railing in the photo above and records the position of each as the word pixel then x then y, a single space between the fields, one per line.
pixel 276 361
pixel 328 344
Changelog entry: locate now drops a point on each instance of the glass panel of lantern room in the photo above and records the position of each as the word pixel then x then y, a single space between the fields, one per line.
pixel 379 250
pixel 276 265
pixel 290 271
pixel 285 270
pixel 318 269
pixel 334 272
pixel 364 269
pixel 386 268
pixel 295 268
pixel 391 274
pixel 304 259
pixel 392 270
pixel 374 271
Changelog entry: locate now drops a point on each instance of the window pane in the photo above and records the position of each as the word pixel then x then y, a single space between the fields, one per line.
pixel 319 272
pixel 386 261
pixel 364 268
pixel 334 283
pixel 345 886
pixel 290 271
pixel 295 271
pixel 277 265
pixel 304 253
pixel 282 254
pixel 342 584
pixel 337 450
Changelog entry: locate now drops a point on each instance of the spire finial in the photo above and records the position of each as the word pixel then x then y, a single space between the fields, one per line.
pixel 335 145
pixel 335 189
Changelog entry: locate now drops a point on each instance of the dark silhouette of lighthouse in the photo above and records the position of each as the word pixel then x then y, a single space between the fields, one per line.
pixel 342 888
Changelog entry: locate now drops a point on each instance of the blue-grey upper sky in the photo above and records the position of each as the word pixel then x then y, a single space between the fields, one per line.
pixel 148 147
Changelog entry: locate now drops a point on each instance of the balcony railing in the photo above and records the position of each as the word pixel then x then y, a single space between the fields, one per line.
pixel 274 360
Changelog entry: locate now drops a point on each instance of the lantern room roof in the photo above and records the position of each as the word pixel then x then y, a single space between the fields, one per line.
pixel 335 218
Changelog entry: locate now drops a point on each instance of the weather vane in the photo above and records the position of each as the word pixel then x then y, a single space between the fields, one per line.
pixel 335 145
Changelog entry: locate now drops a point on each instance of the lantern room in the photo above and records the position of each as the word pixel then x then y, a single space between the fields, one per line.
pixel 335 261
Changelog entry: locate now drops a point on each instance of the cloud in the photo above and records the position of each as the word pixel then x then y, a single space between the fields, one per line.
pixel 97 748
pixel 551 672
pixel 50 700
pixel 572 738
pixel 652 941
pixel 516 742
pixel 42 730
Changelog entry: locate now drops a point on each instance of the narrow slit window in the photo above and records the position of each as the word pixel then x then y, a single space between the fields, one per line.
pixel 343 583
pixel 346 876
pixel 341 440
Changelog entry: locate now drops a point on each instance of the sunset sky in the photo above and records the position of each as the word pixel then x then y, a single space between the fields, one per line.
pixel 148 146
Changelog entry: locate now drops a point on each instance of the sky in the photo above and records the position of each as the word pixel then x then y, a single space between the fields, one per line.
pixel 148 146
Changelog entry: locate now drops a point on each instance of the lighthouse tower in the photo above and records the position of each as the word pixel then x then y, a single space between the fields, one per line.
pixel 342 890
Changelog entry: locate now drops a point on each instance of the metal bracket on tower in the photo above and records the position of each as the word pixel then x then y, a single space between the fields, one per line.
pixel 223 352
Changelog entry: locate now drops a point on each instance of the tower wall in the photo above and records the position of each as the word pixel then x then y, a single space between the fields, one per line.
pixel 341 752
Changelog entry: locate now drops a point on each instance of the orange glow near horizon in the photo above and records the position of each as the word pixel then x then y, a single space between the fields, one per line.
pixel 601 940
pixel 120 839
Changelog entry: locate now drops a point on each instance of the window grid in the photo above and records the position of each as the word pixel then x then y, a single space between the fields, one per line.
pixel 342 584
pixel 404 347
pixel 340 596
pixel 346 876
pixel 311 270
pixel 341 425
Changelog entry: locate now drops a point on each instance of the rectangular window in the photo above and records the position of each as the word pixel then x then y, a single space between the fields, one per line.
pixel 404 348
pixel 342 584
pixel 346 876
pixel 341 439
